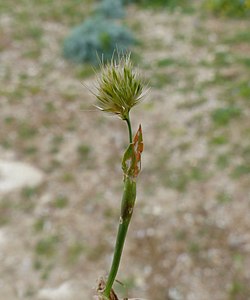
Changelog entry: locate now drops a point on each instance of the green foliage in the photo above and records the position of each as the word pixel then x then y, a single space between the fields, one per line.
pixel 241 170
pixel 47 246
pixel 194 248
pixel 234 8
pixel 166 62
pixel 61 202
pixel 222 116
pixel 29 192
pixel 96 37
pixel 39 225
pixel 159 3
pixel 243 89
pixel 219 140
pixel 83 151
pixel 26 131
pixel 236 289
pixel 242 36
pixel 223 197
pixel 223 161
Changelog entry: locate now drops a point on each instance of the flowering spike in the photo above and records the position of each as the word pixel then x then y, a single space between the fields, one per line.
pixel 119 87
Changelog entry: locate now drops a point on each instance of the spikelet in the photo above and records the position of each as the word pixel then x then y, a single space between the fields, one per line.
pixel 119 87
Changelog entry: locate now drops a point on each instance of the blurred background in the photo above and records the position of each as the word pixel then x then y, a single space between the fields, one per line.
pixel 60 170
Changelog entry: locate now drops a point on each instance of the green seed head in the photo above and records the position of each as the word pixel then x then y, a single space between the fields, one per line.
pixel 119 87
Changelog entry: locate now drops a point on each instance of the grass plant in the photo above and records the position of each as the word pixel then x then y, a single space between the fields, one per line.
pixel 119 89
pixel 231 8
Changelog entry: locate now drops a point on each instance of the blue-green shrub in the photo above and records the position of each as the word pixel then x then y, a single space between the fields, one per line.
pixel 111 9
pixel 96 37
pixel 235 8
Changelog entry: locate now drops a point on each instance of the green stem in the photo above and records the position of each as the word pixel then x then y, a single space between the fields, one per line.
pixel 127 206
pixel 129 129
pixel 121 235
